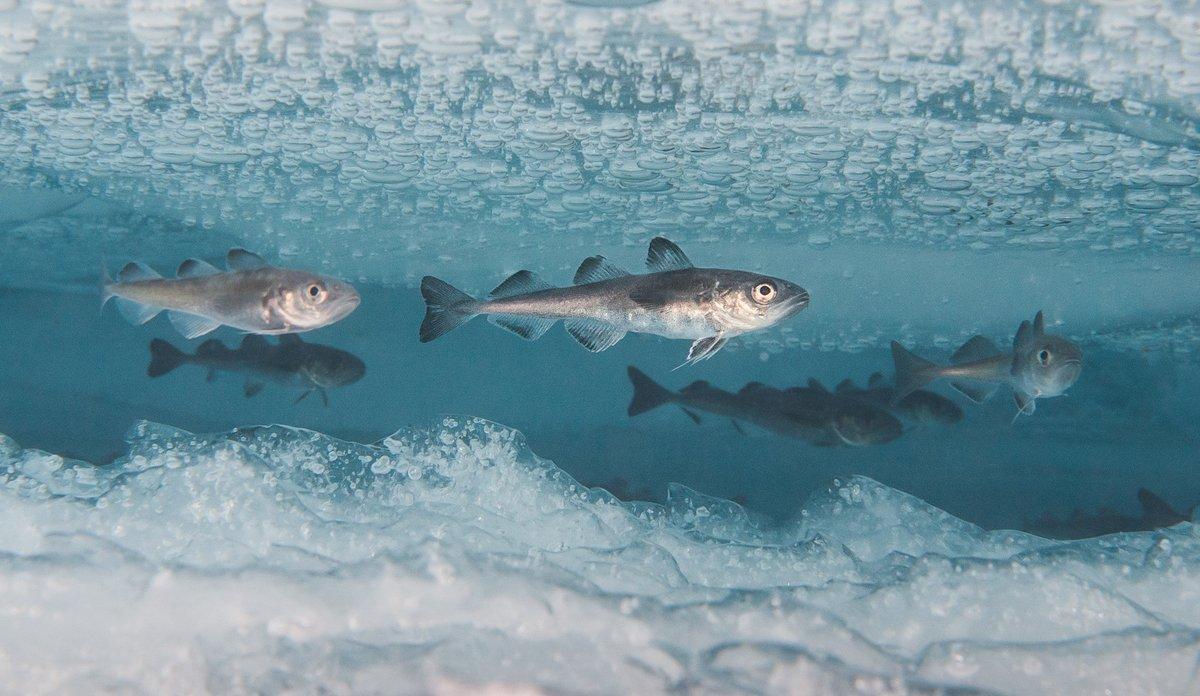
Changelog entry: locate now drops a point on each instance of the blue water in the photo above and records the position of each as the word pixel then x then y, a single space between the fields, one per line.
pixel 480 512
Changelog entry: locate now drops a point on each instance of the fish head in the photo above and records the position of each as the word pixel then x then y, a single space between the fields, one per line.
pixel 330 368
pixel 749 301
pixel 307 301
pixel 1048 365
pixel 862 425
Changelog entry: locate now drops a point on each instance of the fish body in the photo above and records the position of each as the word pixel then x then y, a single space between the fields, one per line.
pixel 819 419
pixel 1040 365
pixel 1155 514
pixel 921 406
pixel 675 300
pixel 842 420
pixel 290 363
pixel 251 295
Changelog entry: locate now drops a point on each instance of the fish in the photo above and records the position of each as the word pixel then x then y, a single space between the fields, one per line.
pixel 921 406
pixel 674 299
pixel 1155 513
pixel 291 362
pixel 1039 366
pixel 250 295
pixel 820 419
pixel 846 421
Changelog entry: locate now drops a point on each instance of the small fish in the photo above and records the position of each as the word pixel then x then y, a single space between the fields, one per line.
pixel 921 406
pixel 1040 366
pixel 290 363
pixel 820 419
pixel 251 295
pixel 675 300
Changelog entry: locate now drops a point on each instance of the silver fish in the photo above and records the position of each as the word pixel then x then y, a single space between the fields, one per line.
pixel 291 363
pixel 251 295
pixel 1040 366
pixel 817 417
pixel 675 300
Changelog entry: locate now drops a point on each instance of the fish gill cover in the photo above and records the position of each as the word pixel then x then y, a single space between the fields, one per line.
pixel 272 557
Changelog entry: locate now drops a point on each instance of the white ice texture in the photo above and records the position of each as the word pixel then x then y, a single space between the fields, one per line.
pixel 451 558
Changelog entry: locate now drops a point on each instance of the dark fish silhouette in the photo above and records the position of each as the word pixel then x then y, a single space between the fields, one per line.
pixel 290 363
pixel 1155 514
pixel 817 417
pixel 920 406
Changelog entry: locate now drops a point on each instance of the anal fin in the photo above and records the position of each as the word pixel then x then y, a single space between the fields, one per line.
pixel 593 334
pixel 1026 404
pixel 978 393
pixel 529 328
pixel 136 312
pixel 192 325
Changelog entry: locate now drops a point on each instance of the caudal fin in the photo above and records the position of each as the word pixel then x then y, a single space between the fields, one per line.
pixel 446 308
pixel 164 357
pixel 912 372
pixel 647 394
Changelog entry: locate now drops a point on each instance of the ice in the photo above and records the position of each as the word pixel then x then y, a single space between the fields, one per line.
pixel 451 557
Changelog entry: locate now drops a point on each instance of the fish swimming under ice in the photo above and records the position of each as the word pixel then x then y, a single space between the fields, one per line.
pixel 1040 365
pixel 812 414
pixel 290 363
pixel 675 299
pixel 250 295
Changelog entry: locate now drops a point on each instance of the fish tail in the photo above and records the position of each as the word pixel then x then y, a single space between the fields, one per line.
pixel 164 358
pixel 647 394
pixel 446 308
pixel 912 372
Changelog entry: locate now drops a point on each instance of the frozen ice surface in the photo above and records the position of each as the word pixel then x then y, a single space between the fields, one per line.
pixel 451 557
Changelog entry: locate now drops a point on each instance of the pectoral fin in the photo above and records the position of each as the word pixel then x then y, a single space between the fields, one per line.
pixel 1026 404
pixel 691 414
pixel 704 348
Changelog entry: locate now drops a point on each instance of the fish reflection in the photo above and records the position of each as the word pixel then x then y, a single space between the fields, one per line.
pixel 813 413
pixel 290 363
pixel 1155 514
pixel 921 407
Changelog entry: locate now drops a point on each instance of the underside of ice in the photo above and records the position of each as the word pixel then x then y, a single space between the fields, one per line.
pixel 450 557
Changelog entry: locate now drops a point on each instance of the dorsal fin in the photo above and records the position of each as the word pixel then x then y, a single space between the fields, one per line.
pixel 1024 337
pixel 520 283
pixel 845 386
pixel 817 386
pixel 195 268
pixel 665 255
pixel 597 268
pixel 875 380
pixel 1039 324
pixel 134 271
pixel 239 259
pixel 1155 508
pixel 977 348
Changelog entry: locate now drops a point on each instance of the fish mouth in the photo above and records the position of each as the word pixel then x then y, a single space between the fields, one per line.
pixel 794 304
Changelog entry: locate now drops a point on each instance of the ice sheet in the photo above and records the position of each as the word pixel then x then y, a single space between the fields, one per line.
pixel 452 557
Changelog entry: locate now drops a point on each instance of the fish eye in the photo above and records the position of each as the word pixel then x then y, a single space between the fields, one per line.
pixel 764 292
pixel 1044 357
pixel 315 291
